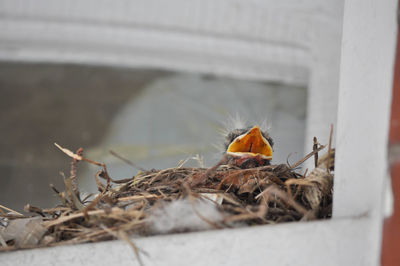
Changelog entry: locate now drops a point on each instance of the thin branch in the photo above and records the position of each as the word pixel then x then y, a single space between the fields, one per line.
pixel 307 157
pixel 127 161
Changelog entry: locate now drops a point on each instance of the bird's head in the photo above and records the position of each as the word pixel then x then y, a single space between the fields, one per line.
pixel 249 147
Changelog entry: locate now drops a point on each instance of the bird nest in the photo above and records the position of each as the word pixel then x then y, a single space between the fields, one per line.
pixel 179 199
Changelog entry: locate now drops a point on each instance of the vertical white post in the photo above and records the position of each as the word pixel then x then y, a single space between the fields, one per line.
pixel 366 73
pixel 369 35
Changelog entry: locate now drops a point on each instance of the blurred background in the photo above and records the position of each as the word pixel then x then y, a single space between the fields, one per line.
pixel 155 82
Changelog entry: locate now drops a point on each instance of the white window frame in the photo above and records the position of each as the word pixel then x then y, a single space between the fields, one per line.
pixel 236 38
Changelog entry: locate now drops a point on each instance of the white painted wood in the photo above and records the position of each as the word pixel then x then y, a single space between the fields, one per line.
pixel 366 74
pixel 259 39
pixel 364 106
pixel 335 242
pixel 291 41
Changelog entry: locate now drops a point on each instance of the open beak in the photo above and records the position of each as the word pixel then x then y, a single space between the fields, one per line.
pixel 251 143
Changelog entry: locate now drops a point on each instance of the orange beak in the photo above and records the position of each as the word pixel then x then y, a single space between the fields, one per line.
pixel 251 143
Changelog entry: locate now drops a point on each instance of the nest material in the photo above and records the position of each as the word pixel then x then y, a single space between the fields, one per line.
pixel 123 208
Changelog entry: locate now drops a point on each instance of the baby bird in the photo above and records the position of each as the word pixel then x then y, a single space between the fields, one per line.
pixel 248 147
pixel 245 147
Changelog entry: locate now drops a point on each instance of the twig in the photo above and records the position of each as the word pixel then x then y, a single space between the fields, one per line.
pixel 263 209
pixel 2 241
pixel 61 195
pixel 315 147
pixel 71 193
pixel 209 171
pixel 29 208
pixel 307 157
pixel 10 210
pixel 91 205
pixel 284 196
pixel 127 161
pixel 81 214
pixel 73 172
pixel 138 197
pixel 78 157
pixel 123 236
pixel 329 148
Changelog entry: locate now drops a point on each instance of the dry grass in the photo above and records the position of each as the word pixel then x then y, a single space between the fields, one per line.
pixel 122 208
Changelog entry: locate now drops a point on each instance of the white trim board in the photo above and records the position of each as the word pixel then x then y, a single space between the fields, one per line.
pixel 310 243
pixel 291 41
pixel 366 81
pixel 234 38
